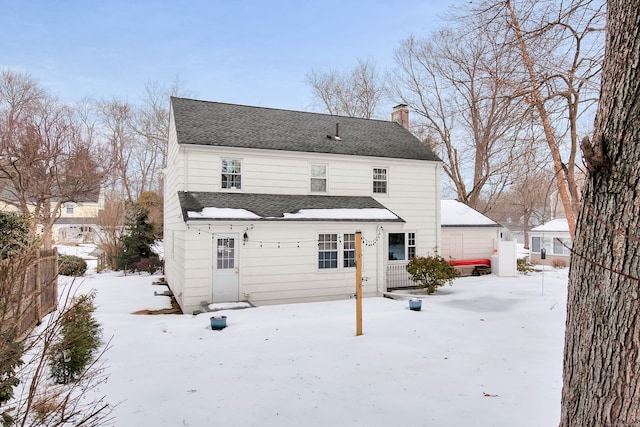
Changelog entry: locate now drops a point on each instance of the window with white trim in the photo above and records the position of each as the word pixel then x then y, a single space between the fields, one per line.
pixel 411 245
pixel 69 208
pixel 536 244
pixel 327 250
pixel 336 251
pixel 380 180
pixel 402 246
pixel 349 250
pixel 561 246
pixel 231 174
pixel 318 178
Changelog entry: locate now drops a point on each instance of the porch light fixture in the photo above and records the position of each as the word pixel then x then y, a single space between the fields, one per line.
pixel 245 237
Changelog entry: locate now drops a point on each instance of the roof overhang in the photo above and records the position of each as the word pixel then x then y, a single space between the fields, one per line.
pixel 219 206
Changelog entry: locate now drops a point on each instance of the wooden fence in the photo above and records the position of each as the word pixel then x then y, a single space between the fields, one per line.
pixel 34 292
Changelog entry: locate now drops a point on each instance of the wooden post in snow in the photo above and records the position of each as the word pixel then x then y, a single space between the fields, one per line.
pixel 358 283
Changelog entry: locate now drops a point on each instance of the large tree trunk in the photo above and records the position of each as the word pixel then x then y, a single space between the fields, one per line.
pixel 602 346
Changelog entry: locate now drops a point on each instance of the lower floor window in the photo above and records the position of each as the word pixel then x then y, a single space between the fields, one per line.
pixel 561 246
pixel 402 246
pixel 535 244
pixel 349 250
pixel 335 249
pixel 327 251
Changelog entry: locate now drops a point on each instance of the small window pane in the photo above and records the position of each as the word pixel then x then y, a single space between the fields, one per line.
pixel 349 251
pixel 411 245
pixel 226 253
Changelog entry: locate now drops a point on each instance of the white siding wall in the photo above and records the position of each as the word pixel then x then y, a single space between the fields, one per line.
pixel 413 186
pixel 279 268
pixel 477 242
pixel 269 274
pixel 174 226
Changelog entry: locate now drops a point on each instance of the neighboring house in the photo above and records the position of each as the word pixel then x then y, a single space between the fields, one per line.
pixel 264 205
pixel 467 234
pixel 78 221
pixel 554 238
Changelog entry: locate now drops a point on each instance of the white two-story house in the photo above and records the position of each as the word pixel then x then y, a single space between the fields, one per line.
pixel 264 204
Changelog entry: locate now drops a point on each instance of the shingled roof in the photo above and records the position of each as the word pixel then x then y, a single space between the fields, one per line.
pixel 220 124
pixel 275 206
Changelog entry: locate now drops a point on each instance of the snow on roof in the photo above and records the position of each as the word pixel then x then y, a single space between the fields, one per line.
pixel 558 224
pixel 455 213
pixel 223 213
pixel 370 213
pixel 350 214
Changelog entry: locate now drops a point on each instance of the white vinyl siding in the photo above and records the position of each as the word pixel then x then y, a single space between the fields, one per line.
pixel 468 242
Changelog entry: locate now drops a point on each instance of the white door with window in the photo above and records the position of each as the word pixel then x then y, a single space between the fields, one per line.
pixel 225 287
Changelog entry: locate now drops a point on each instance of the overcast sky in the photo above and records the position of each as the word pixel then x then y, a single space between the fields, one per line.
pixel 243 52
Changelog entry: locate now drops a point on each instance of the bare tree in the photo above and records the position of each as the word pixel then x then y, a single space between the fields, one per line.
pixel 115 124
pixel 44 161
pixel 137 137
pixel 458 84
pixel 601 363
pixel 111 222
pixel 526 202
pixel 559 55
pixel 354 94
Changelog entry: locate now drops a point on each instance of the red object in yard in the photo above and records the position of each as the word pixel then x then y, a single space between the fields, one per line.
pixel 470 262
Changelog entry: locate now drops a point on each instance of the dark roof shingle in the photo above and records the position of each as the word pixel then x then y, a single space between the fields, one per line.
pixel 274 206
pixel 220 124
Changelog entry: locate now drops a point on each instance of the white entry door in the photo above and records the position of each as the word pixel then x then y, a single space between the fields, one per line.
pixel 225 287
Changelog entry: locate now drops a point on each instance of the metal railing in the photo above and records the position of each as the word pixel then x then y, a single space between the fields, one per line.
pixel 398 277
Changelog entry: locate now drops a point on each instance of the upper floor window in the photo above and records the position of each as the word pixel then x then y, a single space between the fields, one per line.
pixel 319 178
pixel 231 173
pixel 69 208
pixel 380 180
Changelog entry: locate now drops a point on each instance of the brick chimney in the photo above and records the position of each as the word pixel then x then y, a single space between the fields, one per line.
pixel 400 114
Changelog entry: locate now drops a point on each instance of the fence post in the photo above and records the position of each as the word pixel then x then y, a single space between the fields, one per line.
pixel 37 295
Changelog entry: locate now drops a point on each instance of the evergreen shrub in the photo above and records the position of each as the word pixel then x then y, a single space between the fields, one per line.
pixel 431 272
pixel 71 265
pixel 78 341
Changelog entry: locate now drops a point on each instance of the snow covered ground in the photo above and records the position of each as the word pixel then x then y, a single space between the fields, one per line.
pixel 486 351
